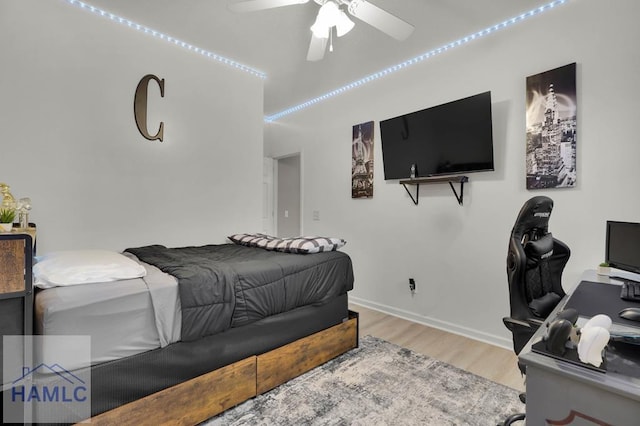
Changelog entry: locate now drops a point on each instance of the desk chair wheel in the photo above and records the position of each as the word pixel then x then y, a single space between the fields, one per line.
pixel 512 418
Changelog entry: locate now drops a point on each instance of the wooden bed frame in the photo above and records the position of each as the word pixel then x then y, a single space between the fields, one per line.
pixel 203 397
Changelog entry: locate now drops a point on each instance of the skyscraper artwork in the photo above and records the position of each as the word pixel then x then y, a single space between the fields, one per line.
pixel 362 160
pixel 551 129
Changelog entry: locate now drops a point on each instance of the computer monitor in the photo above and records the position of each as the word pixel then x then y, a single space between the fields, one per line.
pixel 623 246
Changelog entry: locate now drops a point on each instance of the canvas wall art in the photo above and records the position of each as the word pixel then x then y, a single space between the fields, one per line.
pixel 551 129
pixel 362 160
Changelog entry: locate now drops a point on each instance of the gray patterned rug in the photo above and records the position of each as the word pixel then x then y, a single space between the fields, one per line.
pixel 379 383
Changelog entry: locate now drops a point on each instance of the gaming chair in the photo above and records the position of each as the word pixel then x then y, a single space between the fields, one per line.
pixel 535 262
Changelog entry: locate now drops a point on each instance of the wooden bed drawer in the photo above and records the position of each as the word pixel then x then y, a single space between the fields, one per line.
pixel 191 402
pixel 282 364
pixel 199 399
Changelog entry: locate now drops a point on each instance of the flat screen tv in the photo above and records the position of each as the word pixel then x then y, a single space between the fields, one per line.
pixel 452 138
pixel 623 246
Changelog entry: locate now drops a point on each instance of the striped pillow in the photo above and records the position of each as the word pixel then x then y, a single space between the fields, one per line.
pixel 251 240
pixel 300 245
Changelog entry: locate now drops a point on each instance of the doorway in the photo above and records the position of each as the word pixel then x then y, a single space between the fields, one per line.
pixel 281 196
pixel 268 200
pixel 288 196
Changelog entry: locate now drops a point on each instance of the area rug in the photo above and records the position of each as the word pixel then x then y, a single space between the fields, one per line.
pixel 379 383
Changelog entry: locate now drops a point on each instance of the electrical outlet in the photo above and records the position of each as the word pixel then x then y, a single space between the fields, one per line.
pixel 412 285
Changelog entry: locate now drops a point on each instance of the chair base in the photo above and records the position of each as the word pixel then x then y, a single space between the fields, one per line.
pixel 516 417
pixel 513 418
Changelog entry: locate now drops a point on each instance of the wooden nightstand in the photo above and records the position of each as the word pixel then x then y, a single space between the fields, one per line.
pixel 16 288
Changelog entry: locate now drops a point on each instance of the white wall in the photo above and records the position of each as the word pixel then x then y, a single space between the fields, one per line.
pixel 457 254
pixel 69 140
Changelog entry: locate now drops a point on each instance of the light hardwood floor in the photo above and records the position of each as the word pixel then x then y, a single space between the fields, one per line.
pixel 483 359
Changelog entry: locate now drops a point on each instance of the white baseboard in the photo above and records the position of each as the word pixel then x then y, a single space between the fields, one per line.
pixel 435 323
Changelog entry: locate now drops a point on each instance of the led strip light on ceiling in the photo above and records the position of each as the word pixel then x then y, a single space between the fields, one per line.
pixel 167 38
pixel 392 69
pixel 420 58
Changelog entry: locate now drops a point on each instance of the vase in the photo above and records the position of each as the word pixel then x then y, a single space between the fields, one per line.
pixel 6 227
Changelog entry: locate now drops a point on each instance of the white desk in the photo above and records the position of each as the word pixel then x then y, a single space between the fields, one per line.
pixel 562 393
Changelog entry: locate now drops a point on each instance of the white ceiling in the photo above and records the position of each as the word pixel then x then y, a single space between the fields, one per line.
pixel 275 41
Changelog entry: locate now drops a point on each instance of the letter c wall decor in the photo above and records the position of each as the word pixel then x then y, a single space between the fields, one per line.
pixel 140 106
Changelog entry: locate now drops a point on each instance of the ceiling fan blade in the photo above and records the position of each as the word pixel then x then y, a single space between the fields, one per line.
pixel 254 5
pixel 317 48
pixel 380 19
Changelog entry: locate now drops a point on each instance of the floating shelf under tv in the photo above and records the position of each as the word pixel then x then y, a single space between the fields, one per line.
pixel 435 179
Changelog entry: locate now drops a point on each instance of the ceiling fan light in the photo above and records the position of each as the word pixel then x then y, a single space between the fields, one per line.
pixel 319 30
pixel 344 24
pixel 328 16
pixel 329 12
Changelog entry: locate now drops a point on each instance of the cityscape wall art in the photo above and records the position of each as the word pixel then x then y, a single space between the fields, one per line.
pixel 551 128
pixel 362 160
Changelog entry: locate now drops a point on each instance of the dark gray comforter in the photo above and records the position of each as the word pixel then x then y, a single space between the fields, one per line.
pixel 223 286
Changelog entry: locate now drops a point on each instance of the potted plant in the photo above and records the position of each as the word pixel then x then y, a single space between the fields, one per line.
pixel 6 219
pixel 604 269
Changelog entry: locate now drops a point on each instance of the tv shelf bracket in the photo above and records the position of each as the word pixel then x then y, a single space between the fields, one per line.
pixel 436 179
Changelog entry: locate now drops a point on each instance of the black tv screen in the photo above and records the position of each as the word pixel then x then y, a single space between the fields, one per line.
pixel 623 246
pixel 452 138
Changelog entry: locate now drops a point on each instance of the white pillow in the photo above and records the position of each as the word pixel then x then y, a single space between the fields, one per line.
pixel 72 267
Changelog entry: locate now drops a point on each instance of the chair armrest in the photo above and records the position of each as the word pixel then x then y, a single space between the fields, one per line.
pixel 512 323
pixel 532 323
pixel 535 321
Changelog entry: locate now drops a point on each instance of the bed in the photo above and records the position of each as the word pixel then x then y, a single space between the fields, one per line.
pixel 169 346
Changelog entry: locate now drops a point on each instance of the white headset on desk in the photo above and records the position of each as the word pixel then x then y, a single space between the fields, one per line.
pixel 594 336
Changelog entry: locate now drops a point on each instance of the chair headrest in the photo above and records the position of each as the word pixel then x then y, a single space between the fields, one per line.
pixel 534 215
pixel 539 250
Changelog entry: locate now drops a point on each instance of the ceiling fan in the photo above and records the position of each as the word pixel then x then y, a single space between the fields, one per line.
pixel 331 15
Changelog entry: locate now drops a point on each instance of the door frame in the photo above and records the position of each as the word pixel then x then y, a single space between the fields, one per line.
pixel 276 190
